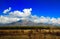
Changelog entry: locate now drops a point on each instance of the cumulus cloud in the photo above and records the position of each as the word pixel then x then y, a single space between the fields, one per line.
pixel 44 19
pixel 58 21
pixel 6 10
pixel 4 19
pixel 35 19
pixel 25 14
pixel 53 20
pixel 15 16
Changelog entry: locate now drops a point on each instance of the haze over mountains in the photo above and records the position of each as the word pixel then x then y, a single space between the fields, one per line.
pixel 25 18
pixel 25 23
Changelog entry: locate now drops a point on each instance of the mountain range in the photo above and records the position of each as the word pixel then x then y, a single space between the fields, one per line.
pixel 26 23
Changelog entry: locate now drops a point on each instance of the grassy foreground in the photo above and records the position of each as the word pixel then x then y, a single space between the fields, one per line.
pixel 25 32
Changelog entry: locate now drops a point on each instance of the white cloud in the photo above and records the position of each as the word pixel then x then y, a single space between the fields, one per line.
pixel 14 16
pixel 58 21
pixel 44 19
pixel 53 20
pixel 5 20
pixel 25 13
pixel 41 19
pixel 17 15
pixel 35 19
pixel 6 10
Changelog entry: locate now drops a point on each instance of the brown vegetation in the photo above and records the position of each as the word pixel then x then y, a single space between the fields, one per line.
pixel 30 34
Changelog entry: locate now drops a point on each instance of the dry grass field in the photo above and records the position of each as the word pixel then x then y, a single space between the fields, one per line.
pixel 30 33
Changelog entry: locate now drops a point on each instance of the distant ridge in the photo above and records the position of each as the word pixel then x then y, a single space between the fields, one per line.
pixel 26 23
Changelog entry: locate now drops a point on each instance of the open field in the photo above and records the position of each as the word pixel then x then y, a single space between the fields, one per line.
pixel 29 33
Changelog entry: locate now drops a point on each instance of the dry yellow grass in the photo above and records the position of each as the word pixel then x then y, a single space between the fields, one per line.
pixel 30 34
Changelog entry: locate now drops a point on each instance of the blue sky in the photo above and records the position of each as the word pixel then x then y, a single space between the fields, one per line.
pixel 37 11
pixel 49 8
